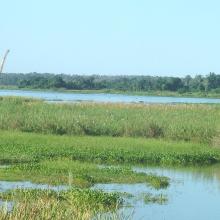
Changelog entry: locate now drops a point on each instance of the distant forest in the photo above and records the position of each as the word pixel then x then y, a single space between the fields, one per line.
pixel 199 83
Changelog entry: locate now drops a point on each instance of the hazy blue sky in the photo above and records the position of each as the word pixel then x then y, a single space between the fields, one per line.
pixel 157 37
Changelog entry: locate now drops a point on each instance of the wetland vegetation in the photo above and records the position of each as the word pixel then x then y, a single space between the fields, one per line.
pixel 187 122
pixel 47 204
pixel 83 144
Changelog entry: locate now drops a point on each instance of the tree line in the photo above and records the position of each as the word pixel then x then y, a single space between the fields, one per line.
pixel 199 83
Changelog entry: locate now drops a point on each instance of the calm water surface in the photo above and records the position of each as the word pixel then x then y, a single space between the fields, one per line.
pixel 194 194
pixel 7 185
pixel 75 97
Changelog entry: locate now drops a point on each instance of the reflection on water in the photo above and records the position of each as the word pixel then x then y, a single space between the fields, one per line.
pixel 76 97
pixel 194 193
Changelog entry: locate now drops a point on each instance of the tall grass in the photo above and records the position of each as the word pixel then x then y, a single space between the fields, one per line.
pixel 46 204
pixel 178 122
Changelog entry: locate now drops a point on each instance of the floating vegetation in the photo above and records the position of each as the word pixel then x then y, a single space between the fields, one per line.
pixel 27 148
pixel 81 174
pixel 159 199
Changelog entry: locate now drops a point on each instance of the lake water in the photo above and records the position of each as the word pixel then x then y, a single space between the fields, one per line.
pixel 8 185
pixel 115 98
pixel 194 193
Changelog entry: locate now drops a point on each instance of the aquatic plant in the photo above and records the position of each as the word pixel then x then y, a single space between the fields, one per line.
pixel 159 199
pixel 71 204
pixel 17 147
pixel 82 174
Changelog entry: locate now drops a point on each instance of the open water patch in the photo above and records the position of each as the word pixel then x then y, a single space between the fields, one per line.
pixel 7 206
pixel 102 97
pixel 194 193
pixel 8 185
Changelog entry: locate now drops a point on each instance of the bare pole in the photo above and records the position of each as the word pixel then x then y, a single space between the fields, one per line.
pixel 3 61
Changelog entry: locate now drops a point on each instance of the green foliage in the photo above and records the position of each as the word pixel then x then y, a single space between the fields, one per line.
pixel 19 147
pixel 177 122
pixel 81 174
pixel 94 199
pixel 72 204
pixel 186 84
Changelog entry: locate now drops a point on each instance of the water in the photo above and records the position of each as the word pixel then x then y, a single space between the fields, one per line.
pixel 115 98
pixel 193 194
pixel 7 206
pixel 7 185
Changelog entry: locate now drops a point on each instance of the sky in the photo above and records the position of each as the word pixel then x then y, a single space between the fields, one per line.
pixel 111 37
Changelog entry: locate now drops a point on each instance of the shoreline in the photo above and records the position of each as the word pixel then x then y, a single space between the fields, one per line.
pixel 117 92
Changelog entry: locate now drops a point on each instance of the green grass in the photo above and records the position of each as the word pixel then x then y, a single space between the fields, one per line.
pixel 18 147
pixel 197 123
pixel 71 204
pixel 81 174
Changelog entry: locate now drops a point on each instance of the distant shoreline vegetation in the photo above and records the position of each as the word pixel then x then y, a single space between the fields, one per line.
pixel 198 86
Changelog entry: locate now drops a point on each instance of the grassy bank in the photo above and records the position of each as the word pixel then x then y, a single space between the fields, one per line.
pixel 177 122
pixel 18 147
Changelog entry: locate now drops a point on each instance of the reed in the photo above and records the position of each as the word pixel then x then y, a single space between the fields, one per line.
pixel 177 122
pixel 73 204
